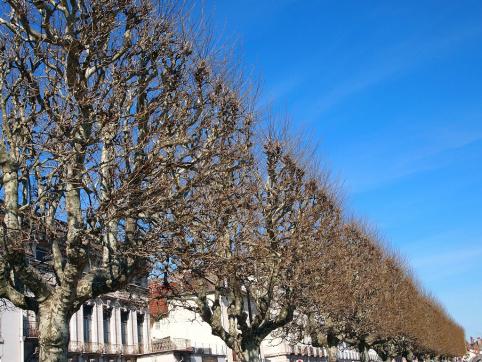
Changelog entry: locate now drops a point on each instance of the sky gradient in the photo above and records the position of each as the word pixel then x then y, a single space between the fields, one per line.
pixel 392 95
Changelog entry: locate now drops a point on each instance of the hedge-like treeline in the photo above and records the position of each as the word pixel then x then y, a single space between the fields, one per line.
pixel 367 298
pixel 271 242
pixel 120 119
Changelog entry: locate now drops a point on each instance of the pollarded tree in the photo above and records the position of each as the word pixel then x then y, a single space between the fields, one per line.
pixel 411 324
pixel 437 336
pixel 353 303
pixel 321 315
pixel 372 301
pixel 395 313
pixel 111 117
pixel 342 307
pixel 362 271
pixel 254 254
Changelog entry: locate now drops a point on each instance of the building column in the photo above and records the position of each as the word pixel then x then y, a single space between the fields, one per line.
pixel 146 332
pixel 112 325
pixel 73 327
pixel 100 322
pixel 116 314
pixel 80 324
pixel 94 336
pixel 132 325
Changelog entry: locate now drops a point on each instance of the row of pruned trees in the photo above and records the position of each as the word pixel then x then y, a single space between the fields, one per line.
pixel 127 147
pixel 286 263
pixel 374 303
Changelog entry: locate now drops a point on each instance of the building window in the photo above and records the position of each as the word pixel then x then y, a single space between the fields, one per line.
pixel 140 328
pixel 88 323
pixel 124 319
pixel 41 254
pixel 106 321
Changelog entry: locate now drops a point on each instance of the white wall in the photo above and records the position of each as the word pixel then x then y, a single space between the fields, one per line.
pixel 183 323
pixel 11 331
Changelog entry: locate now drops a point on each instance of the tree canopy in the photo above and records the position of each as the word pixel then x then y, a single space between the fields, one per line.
pixel 112 114
pixel 126 146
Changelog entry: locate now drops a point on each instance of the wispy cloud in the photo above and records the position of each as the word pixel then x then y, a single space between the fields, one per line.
pixel 392 62
pixel 425 155
pixel 455 257
pixel 280 90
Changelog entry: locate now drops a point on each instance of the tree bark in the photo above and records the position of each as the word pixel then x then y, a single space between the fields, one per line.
pixel 54 332
pixel 409 356
pixel 250 352
pixel 332 352
pixel 364 356
pixel 247 351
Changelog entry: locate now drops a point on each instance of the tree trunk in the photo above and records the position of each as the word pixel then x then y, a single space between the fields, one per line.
pixel 384 356
pixel 332 352
pixel 364 356
pixel 409 356
pixel 54 332
pixel 250 352
pixel 251 355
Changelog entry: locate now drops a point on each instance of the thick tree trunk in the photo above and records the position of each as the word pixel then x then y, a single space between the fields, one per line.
pixel 54 332
pixel 409 356
pixel 385 356
pixel 332 352
pixel 251 355
pixel 364 356
pixel 248 351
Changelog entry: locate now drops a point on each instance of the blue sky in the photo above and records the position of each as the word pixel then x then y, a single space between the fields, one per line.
pixel 392 94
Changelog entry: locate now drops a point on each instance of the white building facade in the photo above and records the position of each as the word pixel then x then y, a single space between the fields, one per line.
pixel 111 328
pixel 118 327
pixel 194 342
pixel 189 336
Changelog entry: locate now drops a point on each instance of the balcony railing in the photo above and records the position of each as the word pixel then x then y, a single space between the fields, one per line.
pixel 210 349
pixel 172 344
pixel 110 348
pixel 301 350
pixel 30 330
pixel 130 349
pixel 103 348
pixel 76 346
pixel 93 347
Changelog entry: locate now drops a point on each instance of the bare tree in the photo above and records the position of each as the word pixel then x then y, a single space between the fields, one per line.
pixel 125 144
pixel 372 301
pixel 276 255
pixel 343 304
pixel 112 114
pixel 254 254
